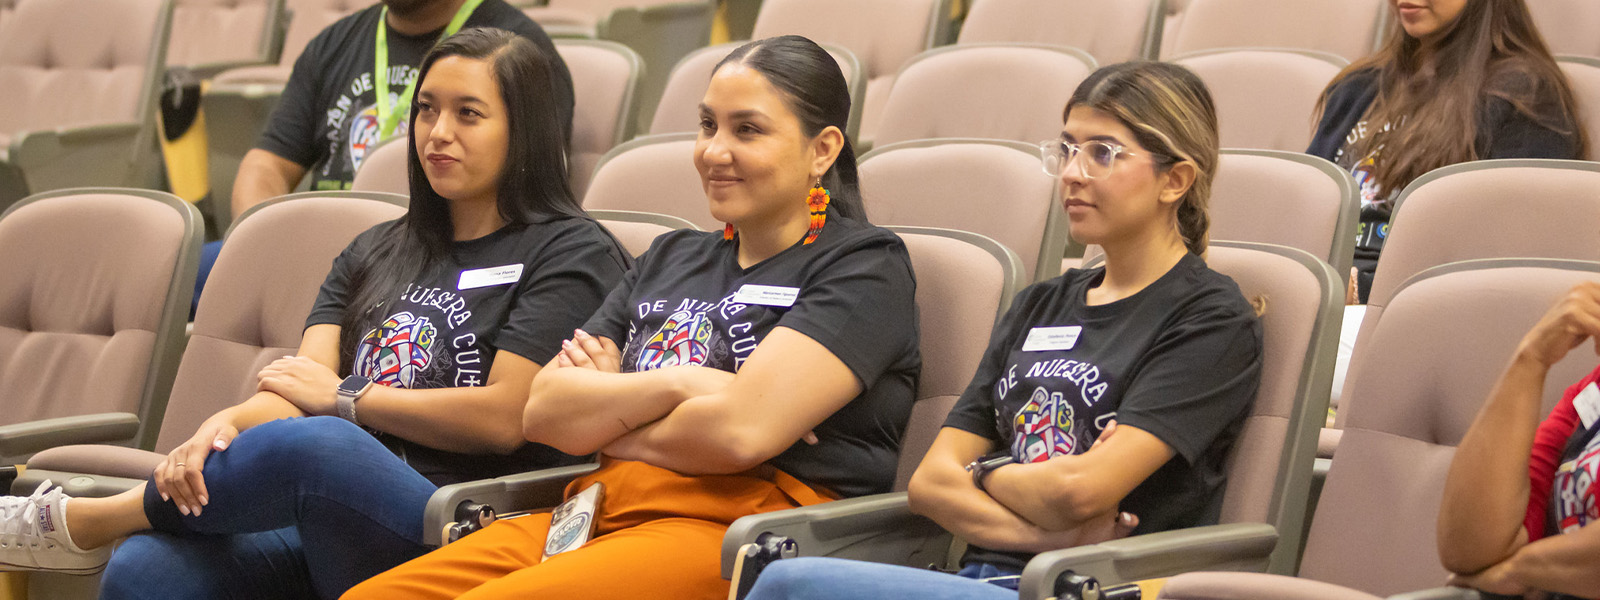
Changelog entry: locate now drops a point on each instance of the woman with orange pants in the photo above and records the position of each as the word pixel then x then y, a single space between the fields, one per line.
pixel 767 366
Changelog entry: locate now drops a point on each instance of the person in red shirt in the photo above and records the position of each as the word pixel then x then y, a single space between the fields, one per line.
pixel 1520 496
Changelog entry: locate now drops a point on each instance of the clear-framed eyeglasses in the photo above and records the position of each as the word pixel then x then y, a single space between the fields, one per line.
pixel 1098 156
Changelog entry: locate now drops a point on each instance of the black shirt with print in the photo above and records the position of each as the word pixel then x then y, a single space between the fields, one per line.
pixel 522 289
pixel 327 119
pixel 1180 359
pixel 855 297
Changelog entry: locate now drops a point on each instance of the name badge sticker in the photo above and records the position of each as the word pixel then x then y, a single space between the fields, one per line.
pixel 1588 404
pixel 491 276
pixel 767 295
pixel 1044 339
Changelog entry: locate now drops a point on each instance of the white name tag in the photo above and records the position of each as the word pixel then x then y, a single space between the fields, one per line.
pixel 478 278
pixel 1588 404
pixel 1044 339
pixel 767 295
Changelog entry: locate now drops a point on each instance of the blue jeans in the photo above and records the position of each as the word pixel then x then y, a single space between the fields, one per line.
pixel 298 508
pixel 833 578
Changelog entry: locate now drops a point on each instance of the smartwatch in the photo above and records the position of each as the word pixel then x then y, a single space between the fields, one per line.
pixel 349 391
pixel 981 467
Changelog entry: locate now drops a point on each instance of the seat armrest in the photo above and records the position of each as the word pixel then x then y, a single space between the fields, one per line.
pixel 27 438
pixel 512 493
pixel 1444 593
pixel 879 528
pixel 1230 547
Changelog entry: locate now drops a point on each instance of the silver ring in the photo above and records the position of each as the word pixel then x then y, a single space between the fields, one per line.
pixel 180 464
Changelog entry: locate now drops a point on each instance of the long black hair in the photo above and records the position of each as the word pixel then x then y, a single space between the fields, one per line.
pixel 533 181
pixel 815 90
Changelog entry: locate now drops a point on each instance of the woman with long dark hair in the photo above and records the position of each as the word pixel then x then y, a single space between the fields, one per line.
pixel 1458 80
pixel 767 366
pixel 427 333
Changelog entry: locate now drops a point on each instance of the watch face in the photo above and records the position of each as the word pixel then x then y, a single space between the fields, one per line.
pixel 353 384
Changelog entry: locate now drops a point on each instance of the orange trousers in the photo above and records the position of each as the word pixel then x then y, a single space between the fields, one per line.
pixel 658 534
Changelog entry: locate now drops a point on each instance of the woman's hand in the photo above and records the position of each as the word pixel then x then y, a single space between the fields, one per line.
pixel 589 352
pixel 1573 320
pixel 1106 528
pixel 310 385
pixel 1495 580
pixel 178 478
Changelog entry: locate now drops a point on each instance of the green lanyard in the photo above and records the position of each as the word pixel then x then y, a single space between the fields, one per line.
pixel 388 117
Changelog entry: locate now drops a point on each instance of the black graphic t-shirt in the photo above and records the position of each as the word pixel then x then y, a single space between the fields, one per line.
pixel 521 289
pixel 327 120
pixel 688 302
pixel 1180 359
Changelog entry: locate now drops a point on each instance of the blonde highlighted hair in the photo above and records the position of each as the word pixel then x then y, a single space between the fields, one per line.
pixel 1171 114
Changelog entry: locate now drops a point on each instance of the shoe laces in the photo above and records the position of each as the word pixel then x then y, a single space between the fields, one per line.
pixel 19 522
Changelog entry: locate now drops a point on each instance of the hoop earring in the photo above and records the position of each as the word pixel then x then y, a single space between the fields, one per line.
pixel 817 201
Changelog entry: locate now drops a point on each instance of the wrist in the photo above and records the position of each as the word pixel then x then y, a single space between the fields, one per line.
pixel 1527 357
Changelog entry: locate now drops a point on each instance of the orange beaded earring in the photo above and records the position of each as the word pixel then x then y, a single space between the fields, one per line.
pixel 817 201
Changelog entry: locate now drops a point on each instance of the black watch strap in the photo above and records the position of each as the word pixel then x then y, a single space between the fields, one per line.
pixel 981 467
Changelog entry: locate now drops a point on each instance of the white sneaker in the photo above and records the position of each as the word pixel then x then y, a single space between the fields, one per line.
pixel 33 536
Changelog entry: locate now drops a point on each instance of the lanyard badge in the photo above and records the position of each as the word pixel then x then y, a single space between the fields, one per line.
pixel 388 117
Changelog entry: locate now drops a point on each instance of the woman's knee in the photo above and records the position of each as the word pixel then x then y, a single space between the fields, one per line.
pixel 790 579
pixel 309 438
pixel 148 566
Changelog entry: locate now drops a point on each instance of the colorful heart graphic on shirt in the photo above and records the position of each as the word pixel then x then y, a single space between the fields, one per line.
pixel 1043 428
pixel 397 351
pixel 684 339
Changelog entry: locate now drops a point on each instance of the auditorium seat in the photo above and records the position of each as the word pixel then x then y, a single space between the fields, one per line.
pixel 81 78
pixel 94 290
pixel 253 312
pixel 1111 32
pixel 996 188
pixel 964 281
pixel 605 79
pixel 1568 26
pixel 1422 379
pixel 1266 99
pixel 997 91
pixel 1286 198
pixel 652 174
pixel 1269 468
pixel 636 230
pixel 1348 28
pixel 210 36
pixel 386 168
pixel 240 100
pixel 1583 74
pixel 661 31
pixel 883 34
pixel 1515 208
pixel 679 108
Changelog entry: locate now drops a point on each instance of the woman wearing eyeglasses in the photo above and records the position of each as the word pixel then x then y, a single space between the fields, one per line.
pixel 1109 397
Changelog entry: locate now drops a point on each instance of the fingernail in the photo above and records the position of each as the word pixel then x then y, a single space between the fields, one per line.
pixel 582 333
pixel 164 498
pixel 196 511
pixel 183 510
pixel 204 501
pixel 220 444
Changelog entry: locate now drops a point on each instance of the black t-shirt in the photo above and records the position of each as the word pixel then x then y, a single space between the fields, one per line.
pixel 682 304
pixel 1503 132
pixel 1180 359
pixel 521 289
pixel 327 120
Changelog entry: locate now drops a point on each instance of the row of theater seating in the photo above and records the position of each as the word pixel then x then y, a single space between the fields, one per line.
pixel 84 312
pixel 92 311
pixel 903 90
